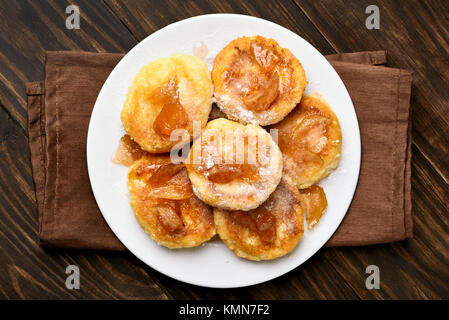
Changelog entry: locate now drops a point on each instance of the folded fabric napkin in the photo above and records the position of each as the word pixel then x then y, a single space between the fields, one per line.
pixel 59 110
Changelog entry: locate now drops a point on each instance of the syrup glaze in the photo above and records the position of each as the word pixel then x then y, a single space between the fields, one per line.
pixel 254 75
pixel 307 142
pixel 314 202
pixel 200 50
pixel 128 152
pixel 165 181
pixel 263 221
pixel 259 220
pixel 224 170
pixel 172 115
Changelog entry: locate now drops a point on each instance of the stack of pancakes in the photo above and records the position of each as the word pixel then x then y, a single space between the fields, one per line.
pixel 251 165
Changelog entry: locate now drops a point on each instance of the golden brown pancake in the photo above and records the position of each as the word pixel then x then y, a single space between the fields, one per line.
pixel 310 141
pixel 165 206
pixel 314 203
pixel 268 232
pixel 234 166
pixel 167 94
pixel 257 81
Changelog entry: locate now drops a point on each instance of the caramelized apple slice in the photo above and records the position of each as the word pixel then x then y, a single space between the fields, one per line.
pixel 259 221
pixel 255 77
pixel 304 159
pixel 264 56
pixel 167 92
pixel 266 225
pixel 171 117
pixel 169 218
pixel 314 202
pixel 260 95
pixel 311 133
pixel 263 87
pixel 224 173
pixel 243 219
pixel 170 181
pixel 167 181
pixel 128 152
pixel 164 173
pixel 237 162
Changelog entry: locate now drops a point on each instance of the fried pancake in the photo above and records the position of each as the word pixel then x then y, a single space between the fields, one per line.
pixel 167 94
pixel 310 141
pixel 233 166
pixel 267 232
pixel 165 206
pixel 257 81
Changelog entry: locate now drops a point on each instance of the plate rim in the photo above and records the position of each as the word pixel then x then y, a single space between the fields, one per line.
pixel 353 183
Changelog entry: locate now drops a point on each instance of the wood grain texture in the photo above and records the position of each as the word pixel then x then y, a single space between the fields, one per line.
pixel 416 37
pixel 145 17
pixel 32 272
pixel 27 30
pixel 316 279
pixel 407 41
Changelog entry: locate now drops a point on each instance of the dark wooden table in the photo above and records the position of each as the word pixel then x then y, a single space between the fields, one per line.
pixel 416 35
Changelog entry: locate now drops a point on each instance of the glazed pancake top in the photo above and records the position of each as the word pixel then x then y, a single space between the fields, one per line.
pixel 167 94
pixel 310 141
pixel 233 166
pixel 257 81
pixel 268 232
pixel 165 206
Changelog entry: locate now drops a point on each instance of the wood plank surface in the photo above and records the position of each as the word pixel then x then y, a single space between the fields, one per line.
pixel 143 18
pixel 28 28
pixel 416 37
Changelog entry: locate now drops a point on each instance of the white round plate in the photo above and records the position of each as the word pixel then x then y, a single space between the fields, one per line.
pixel 213 264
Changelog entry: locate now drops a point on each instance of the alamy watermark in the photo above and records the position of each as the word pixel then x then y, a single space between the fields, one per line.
pixel 73 20
pixel 373 280
pixel 227 146
pixel 373 20
pixel 73 280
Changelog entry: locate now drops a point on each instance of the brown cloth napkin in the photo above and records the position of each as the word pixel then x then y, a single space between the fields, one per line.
pixel 58 117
